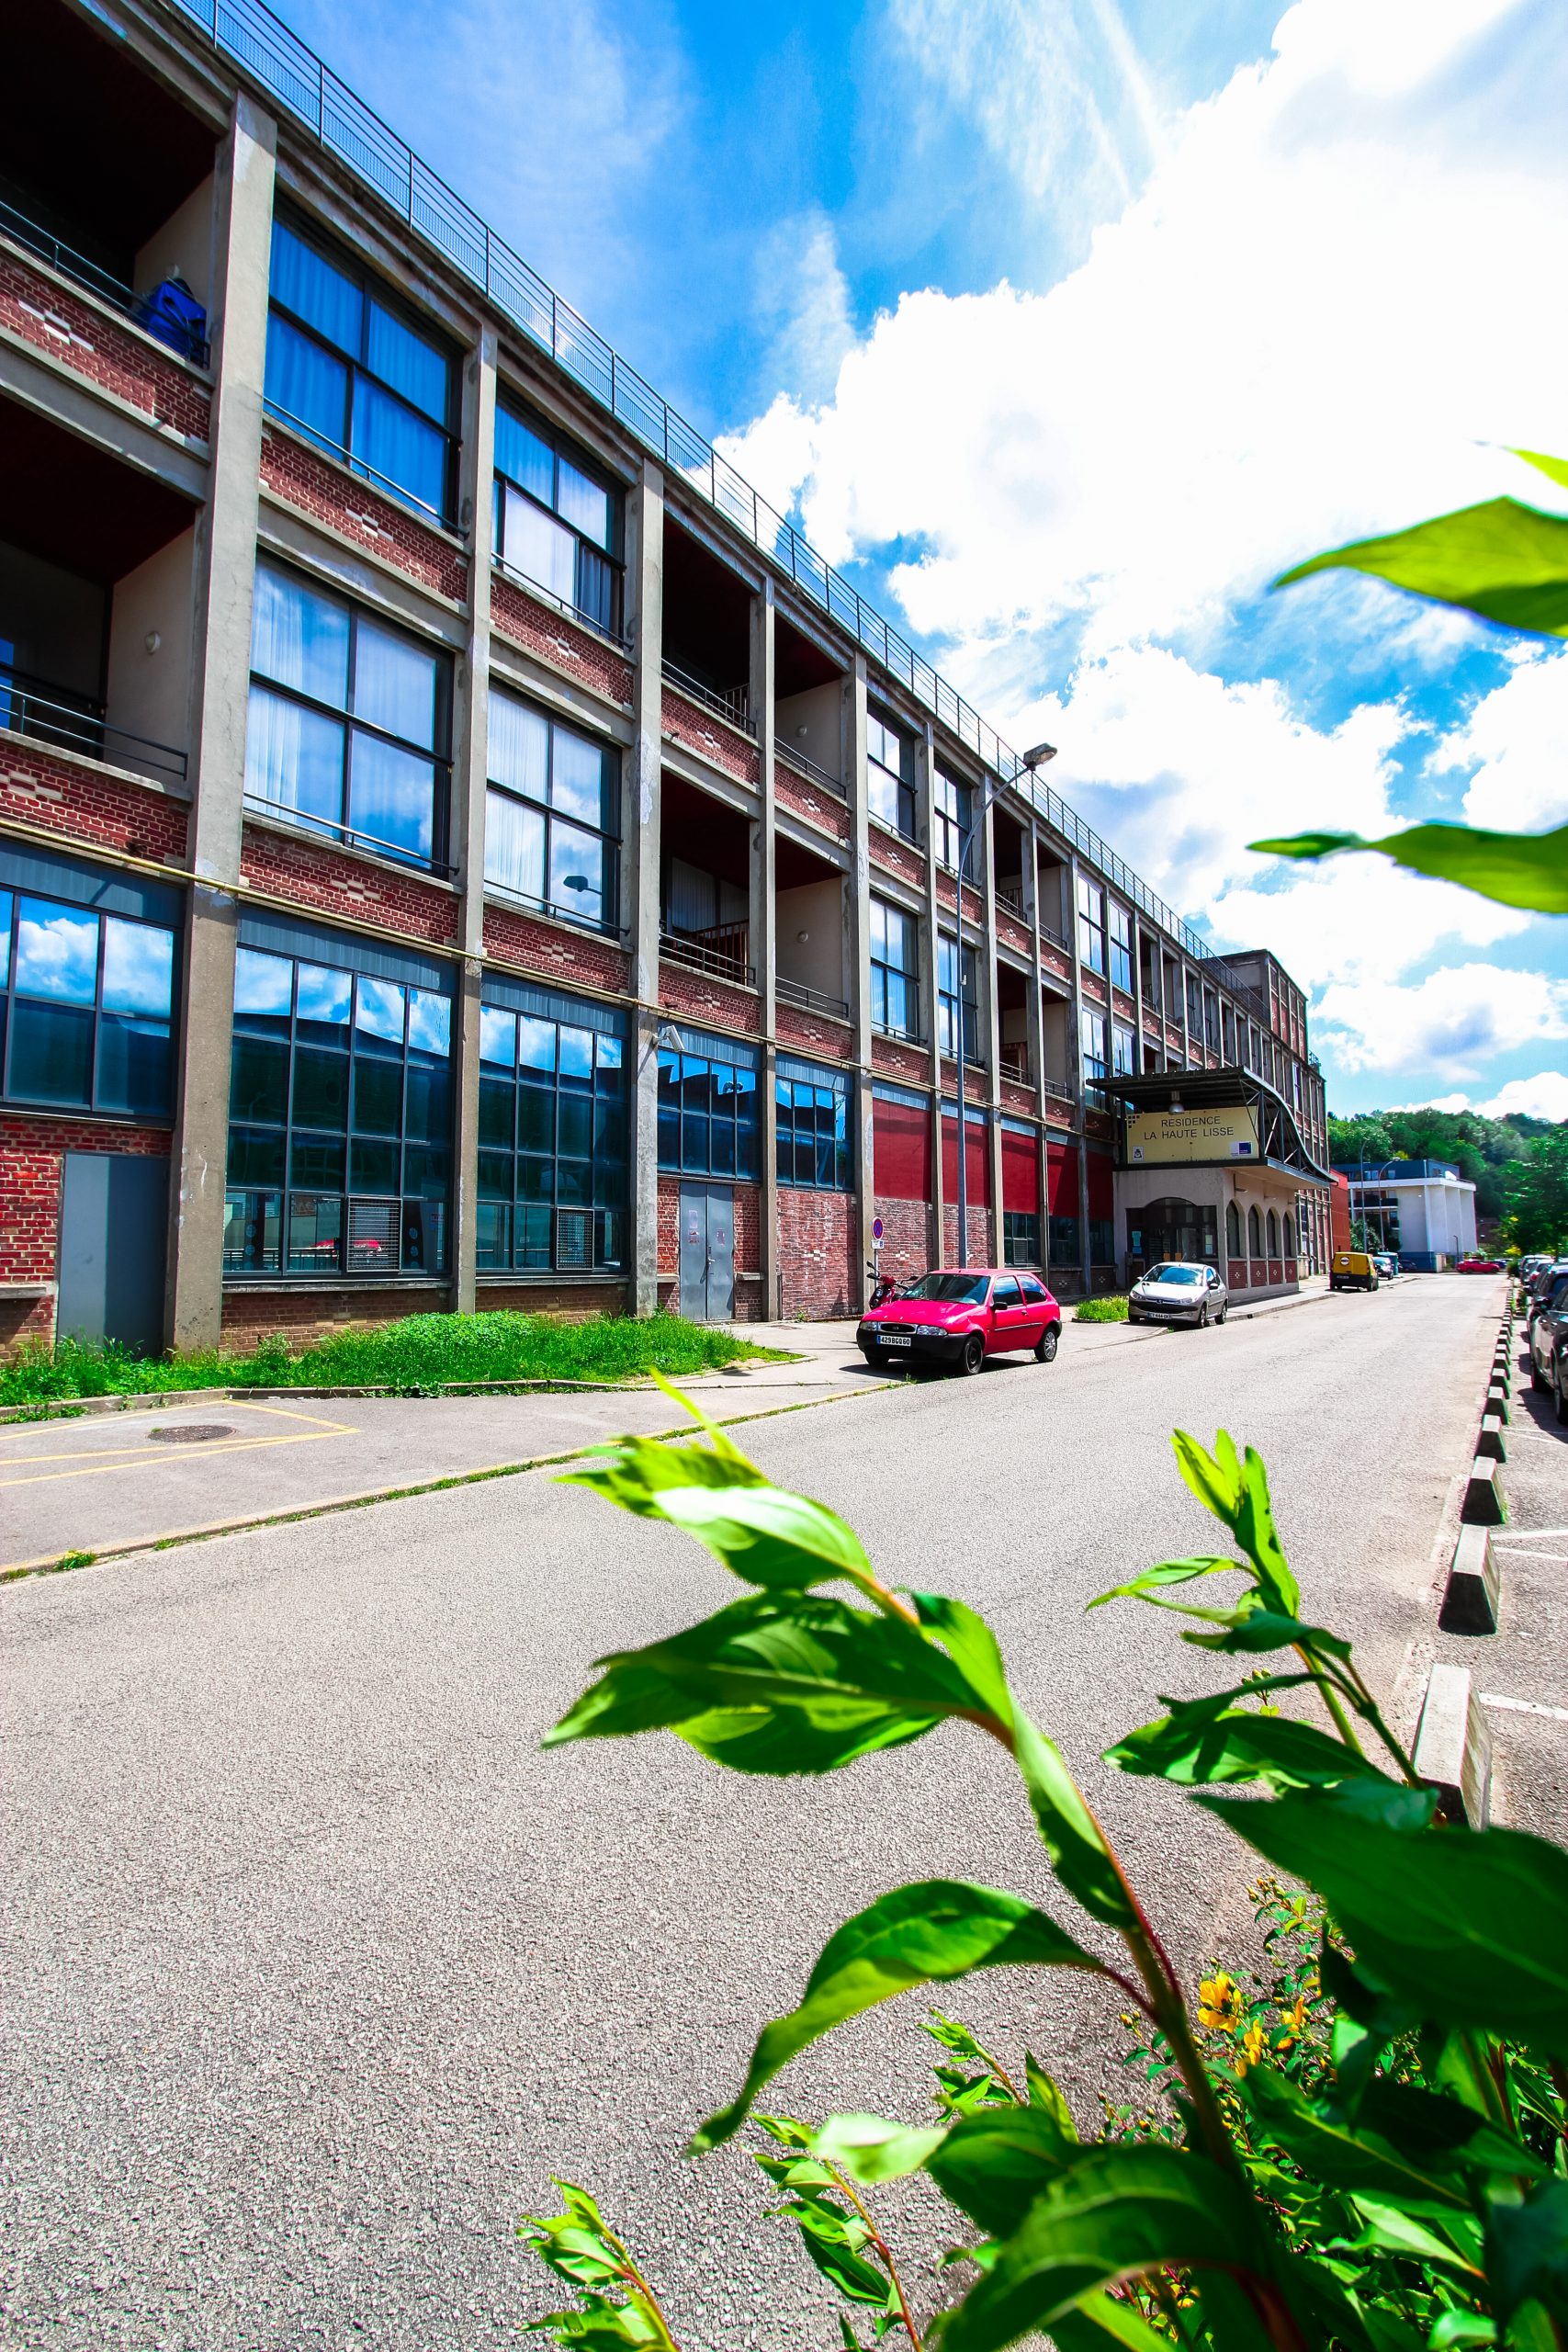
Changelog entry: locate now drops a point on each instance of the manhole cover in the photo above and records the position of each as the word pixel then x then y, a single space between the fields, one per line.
pixel 192 1433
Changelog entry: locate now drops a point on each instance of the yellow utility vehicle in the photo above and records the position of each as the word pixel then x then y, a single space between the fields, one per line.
pixel 1352 1270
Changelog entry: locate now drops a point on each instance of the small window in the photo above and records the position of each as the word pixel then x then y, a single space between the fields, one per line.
pixel 895 970
pixel 556 526
pixel 1121 926
pixel 707 1116
pixel 1122 1050
pixel 86 1008
pixel 1033 1292
pixel 1021 1246
pixel 813 1123
pixel 1005 1291
pixel 1091 926
pixel 951 807
pixel 956 983
pixel 890 775
pixel 1091 1043
pixel 552 814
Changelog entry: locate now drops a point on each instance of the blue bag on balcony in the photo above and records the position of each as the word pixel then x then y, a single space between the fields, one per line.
pixel 172 313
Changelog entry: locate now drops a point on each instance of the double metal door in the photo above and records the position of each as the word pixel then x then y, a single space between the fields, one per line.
pixel 707 1253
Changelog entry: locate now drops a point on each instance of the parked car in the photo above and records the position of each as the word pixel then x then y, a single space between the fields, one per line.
pixel 1387 1265
pixel 1479 1266
pixel 1548 1289
pixel 956 1317
pixel 1179 1290
pixel 1352 1270
pixel 1549 1346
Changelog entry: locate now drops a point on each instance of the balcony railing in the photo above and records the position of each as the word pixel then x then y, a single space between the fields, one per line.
pixel 73 722
pixel 1012 1061
pixel 729 705
pixel 1011 896
pixel 724 951
pixel 811 1000
pixel 180 335
pixel 808 769
pixel 346 836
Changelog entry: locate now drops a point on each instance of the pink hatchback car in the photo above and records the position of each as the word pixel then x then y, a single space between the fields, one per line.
pixel 959 1316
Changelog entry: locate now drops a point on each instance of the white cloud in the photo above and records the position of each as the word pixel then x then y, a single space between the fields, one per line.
pixel 802 304
pixel 1453 1021
pixel 1545 1096
pixel 1357 918
pixel 1516 737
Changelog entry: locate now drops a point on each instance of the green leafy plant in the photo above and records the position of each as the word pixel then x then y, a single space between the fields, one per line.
pixel 1389 2180
pixel 1508 563
pixel 1108 1310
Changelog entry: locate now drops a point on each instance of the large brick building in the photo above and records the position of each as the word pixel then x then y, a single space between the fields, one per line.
pixel 457 842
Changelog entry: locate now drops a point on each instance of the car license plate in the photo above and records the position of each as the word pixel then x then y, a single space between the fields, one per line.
pixel 896 1340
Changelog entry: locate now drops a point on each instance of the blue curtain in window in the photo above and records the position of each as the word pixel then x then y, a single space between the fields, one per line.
pixel 523 458
pixel 306 384
pixel 310 287
pixel 390 440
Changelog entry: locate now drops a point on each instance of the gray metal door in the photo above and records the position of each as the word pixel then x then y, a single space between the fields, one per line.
pixel 708 1254
pixel 113 1229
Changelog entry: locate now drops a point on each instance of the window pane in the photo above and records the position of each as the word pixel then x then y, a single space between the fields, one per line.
pixel 497 1109
pixel 576 1057
pixel 580 779
pixel 401 447
pixel 532 1236
pixel 535 1043
pixel 406 361
pixel 394 684
pixel 595 588
pixel 576 872
pixel 576 1128
pixel 391 796
pixel 294 758
pixel 379 1014
pixel 536 1119
pixel 377 1096
pixel 429 1097
pixel 519 747
pixel 310 287
pixel 515 846
pixel 536 1180
pixel 139 967
pixel 323 1005
pixel 495 1178
pixel 51 1054
pixel 524 458
pixel 305 384
pixel 315 1232
pixel 498 1037
pixel 4 925
pixel 57 951
pixel 882 795
pixel 258 1086
pixel 583 505
pixel 539 547
pixel 321 1088
pixel 299 638
pixel 264 989
pixel 374 1168
pixel 493 1234
pixel 318 1161
pixel 135 1064
pixel 430 1022
pixel 252 1223
pixel 254 1158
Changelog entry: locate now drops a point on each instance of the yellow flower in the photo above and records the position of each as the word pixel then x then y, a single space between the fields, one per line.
pixel 1293 2020
pixel 1252 2049
pixel 1219 2003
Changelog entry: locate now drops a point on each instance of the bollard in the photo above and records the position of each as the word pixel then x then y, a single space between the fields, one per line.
pixel 1489 1445
pixel 1454 1747
pixel 1484 1504
pixel 1475 1587
pixel 1497 1401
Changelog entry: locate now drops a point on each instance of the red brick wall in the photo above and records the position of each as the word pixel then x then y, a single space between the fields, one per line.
pixel 703 731
pixel 947 896
pixel 701 998
pixel 833 1040
pixel 907 1226
pixel 555 951
pixel 975 1083
pixel 63 323
pixel 818 1244
pixel 327 493
pixel 73 797
pixel 1339 1214
pixel 310 875
pixel 300 1316
pixel 1017 1098
pixel 897 855
pixel 1055 959
pixel 25 1318
pixel 1014 934
pixel 32 1158
pixel 574 1301
pixel 1058 1110
pixel 981 1251
pixel 1094 989
pixel 900 1061
pixel 528 621
pixel 810 801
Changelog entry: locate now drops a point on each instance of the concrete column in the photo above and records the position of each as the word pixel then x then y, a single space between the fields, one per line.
pixel 990 1016
pixel 925 785
pixel 1137 996
pixel 470 768
pixel 1075 1072
pixel 763 929
pixel 220 667
pixel 639 859
pixel 1037 1043
pixel 857 919
pixel 1182 976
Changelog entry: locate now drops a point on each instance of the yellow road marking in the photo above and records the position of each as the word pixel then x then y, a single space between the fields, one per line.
pixel 97 1461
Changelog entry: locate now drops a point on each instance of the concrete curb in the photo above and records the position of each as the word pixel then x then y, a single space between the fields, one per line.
pixel 168 1400
pixel 1475 1587
pixel 1454 1747
pixel 1484 1504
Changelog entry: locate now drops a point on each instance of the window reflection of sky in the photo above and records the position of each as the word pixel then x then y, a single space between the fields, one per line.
pixel 323 995
pixel 430 1022
pixel 380 1010
pixel 261 983
pixel 57 952
pixel 138 969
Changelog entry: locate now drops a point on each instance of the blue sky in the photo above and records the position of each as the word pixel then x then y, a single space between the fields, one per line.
pixel 1064 326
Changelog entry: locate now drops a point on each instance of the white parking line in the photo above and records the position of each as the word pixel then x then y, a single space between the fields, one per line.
pixel 1524 1706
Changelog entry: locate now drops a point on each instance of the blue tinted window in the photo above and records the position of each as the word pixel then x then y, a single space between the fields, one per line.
pixel 91 1016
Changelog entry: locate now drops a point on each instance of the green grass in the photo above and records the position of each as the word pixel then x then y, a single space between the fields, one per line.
pixel 418 1353
pixel 1100 1310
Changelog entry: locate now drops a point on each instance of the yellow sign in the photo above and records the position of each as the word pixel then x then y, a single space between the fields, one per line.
pixel 1153 1136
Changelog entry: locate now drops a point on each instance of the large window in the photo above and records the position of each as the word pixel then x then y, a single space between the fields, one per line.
pixel 1121 923
pixel 890 775
pixel 555 524
pixel 1091 925
pixel 955 981
pixel 895 970
pixel 552 814
pixel 952 804
pixel 347 369
pixel 349 722
pixel 339 1119
pixel 813 1113
pixel 707 1111
pixel 553 1119
pixel 1020 1238
pixel 86 1004
pixel 1122 1050
pixel 1092 1041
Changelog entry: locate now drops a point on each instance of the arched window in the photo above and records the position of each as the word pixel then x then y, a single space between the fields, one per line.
pixel 1290 1231
pixel 1273 1235
pixel 1255 1232
pixel 1233 1230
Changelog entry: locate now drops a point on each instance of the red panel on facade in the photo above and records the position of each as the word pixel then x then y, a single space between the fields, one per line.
pixel 1020 1173
pixel 901 1149
pixel 979 1168
pixel 1100 1195
pixel 1063 1160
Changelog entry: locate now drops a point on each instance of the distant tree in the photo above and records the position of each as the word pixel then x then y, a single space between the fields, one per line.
pixel 1535 1194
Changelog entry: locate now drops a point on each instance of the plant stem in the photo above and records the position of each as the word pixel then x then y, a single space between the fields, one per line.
pixel 634 2278
pixel 884 2254
pixel 1330 1698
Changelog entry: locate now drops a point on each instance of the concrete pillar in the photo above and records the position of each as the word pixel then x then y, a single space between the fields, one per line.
pixel 925 786
pixel 639 860
pixel 1138 996
pixel 470 768
pixel 226 555
pixel 857 917
pixel 1076 1061
pixel 990 1016
pixel 763 928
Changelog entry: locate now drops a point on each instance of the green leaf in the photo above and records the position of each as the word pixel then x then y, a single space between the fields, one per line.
pixel 768 1536
pixel 1203 1742
pixel 1234 1487
pixel 925 1934
pixel 1517 869
pixel 1068 1830
pixel 834 2237
pixel 613 2310
pixel 994 2164
pixel 1504 560
pixel 1045 2092
pixel 1357 2160
pixel 1100 2316
pixel 1166 1572
pixel 869 2149
pixel 1555 468
pixel 1463 2328
pixel 1113 2214
pixel 1469 1927
pixel 1388 2229
pixel 1443 2135
pixel 1268 1629
pixel 1527 2252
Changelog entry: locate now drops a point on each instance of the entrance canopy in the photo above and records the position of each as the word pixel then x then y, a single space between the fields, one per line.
pixel 1206 1117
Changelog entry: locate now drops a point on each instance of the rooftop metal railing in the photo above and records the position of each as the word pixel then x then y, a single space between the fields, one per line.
pixel 248 32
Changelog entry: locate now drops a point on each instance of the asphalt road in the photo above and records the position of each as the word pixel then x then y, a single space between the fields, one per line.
pixel 317 1968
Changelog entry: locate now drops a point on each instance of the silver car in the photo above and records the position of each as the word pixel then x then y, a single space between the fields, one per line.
pixel 1179 1291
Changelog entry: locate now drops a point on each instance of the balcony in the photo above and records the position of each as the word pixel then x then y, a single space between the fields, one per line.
pixel 76 722
pixel 835 1008
pixel 728 703
pixel 1012 1061
pixel 169 314
pixel 723 951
